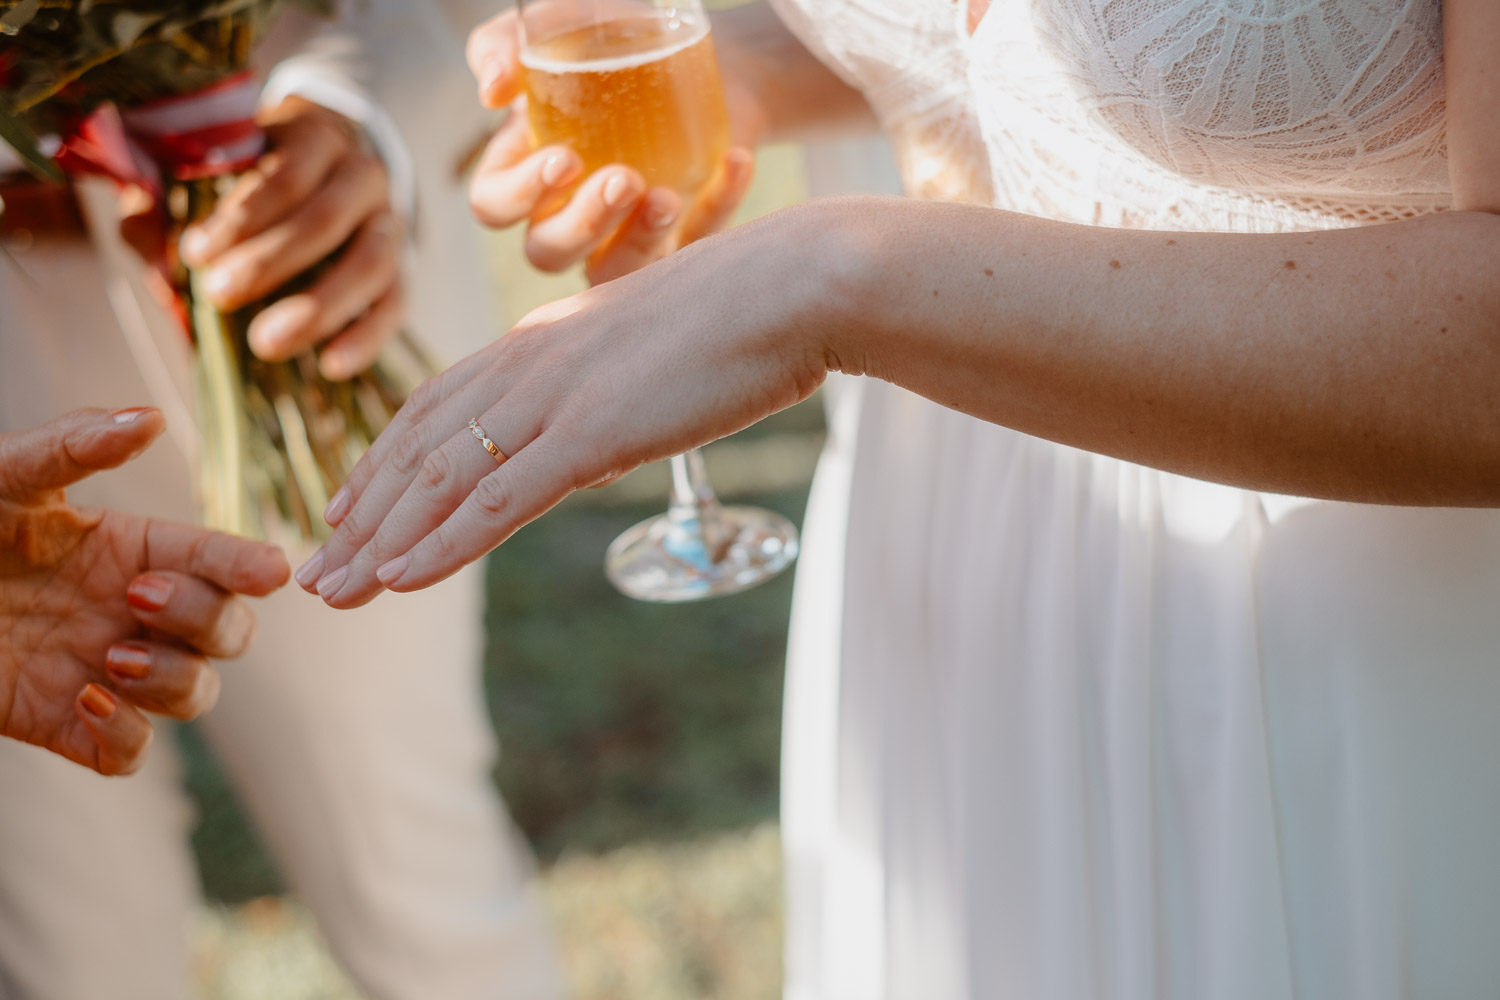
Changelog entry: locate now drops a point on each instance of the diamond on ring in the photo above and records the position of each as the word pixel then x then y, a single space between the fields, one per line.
pixel 484 439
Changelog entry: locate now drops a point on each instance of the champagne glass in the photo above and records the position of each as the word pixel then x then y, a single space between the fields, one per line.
pixel 636 82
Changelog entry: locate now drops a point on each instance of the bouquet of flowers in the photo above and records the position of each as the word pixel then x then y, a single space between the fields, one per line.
pixel 159 93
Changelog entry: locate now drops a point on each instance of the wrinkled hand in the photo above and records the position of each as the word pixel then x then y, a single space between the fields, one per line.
pixel 609 219
pixel 683 352
pixel 103 615
pixel 315 190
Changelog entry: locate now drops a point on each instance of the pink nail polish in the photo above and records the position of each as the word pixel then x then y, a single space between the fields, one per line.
pixel 311 571
pixel 338 506
pixel 330 584
pixel 149 592
pixel 393 570
pixel 127 663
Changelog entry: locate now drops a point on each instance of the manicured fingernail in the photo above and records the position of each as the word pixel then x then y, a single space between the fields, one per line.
pixel 194 244
pixel 311 571
pixel 217 281
pixel 330 584
pixel 555 168
pixel 149 592
pixel 616 190
pixel 97 702
pixel 338 506
pixel 127 663
pixel 393 570
pixel 129 416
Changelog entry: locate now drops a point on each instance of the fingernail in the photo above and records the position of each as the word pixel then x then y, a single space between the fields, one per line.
pixel 149 592
pixel 555 168
pixel 661 216
pixel 97 702
pixel 194 244
pixel 338 366
pixel 616 189
pixel 127 663
pixel 493 74
pixel 129 416
pixel 272 328
pixel 393 570
pixel 311 571
pixel 330 584
pixel 338 506
pixel 217 281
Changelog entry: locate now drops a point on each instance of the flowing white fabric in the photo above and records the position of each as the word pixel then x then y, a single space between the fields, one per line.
pixel 1075 729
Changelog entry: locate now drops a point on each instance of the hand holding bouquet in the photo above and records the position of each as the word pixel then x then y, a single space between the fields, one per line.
pixel 288 279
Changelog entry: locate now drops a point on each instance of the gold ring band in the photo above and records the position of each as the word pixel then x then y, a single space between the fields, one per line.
pixel 500 457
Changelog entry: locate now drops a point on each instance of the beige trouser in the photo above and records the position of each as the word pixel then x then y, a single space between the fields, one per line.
pixel 357 741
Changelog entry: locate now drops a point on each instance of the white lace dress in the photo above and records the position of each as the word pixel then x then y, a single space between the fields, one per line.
pixel 1060 727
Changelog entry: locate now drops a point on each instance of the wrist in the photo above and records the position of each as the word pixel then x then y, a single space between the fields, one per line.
pixel 837 279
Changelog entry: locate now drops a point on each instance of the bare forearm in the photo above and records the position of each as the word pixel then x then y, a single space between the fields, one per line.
pixel 799 97
pixel 1357 364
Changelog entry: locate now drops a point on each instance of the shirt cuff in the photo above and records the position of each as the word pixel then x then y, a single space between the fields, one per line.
pixel 340 96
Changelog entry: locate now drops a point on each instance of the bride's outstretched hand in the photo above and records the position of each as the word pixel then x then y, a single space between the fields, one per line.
pixel 673 356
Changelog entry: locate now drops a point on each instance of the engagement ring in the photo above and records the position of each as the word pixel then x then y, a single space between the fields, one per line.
pixel 500 457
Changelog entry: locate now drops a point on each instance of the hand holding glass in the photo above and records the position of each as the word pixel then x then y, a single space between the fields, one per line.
pixel 636 82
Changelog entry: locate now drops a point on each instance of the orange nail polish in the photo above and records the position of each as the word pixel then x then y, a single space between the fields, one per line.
pixel 127 663
pixel 149 592
pixel 97 702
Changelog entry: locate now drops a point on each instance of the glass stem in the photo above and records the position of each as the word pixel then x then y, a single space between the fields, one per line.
pixel 694 504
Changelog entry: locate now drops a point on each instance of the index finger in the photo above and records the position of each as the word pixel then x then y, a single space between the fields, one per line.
pixel 35 462
pixel 494 55
pixel 239 565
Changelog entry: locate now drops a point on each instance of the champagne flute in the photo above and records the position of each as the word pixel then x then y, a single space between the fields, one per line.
pixel 636 82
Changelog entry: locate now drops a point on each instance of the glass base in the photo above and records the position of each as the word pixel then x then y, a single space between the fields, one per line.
pixel 677 557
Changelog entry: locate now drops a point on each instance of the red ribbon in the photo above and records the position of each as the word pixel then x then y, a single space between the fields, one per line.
pixel 207 133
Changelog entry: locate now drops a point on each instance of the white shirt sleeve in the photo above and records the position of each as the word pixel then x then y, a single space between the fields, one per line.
pixel 324 85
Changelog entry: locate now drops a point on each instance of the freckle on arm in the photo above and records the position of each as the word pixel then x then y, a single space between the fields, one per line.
pixel 1115 264
pixel 1290 265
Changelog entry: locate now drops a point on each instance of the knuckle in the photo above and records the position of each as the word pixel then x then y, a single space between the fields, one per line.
pixel 424 400
pixel 437 471
pixel 492 499
pixel 410 453
pixel 321 214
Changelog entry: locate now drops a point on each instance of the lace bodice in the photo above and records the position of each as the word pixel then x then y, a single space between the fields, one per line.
pixel 1236 115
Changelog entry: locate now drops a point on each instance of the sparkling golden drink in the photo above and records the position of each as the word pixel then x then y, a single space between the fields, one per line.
pixel 641 89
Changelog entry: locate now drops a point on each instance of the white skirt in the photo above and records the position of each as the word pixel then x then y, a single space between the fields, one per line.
pixel 1059 727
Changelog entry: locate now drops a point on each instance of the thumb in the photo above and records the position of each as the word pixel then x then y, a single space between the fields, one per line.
pixel 34 463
